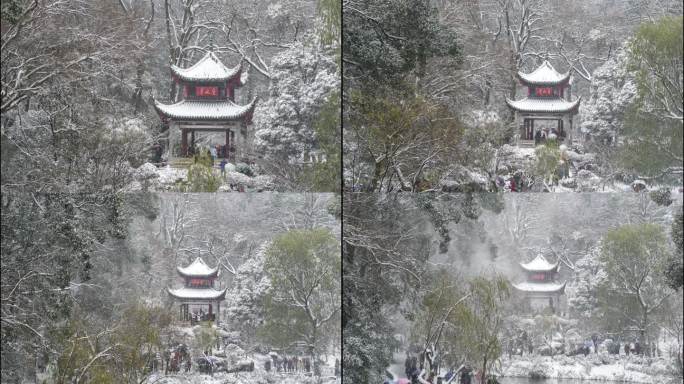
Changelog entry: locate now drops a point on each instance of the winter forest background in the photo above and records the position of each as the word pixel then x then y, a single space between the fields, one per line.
pixel 79 79
pixel 406 103
pixel 89 239
pixel 426 82
pixel 424 114
pixel 444 259
pixel 78 306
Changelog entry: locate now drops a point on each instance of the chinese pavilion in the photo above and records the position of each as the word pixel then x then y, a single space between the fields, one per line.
pixel 199 300
pixel 207 104
pixel 541 289
pixel 548 98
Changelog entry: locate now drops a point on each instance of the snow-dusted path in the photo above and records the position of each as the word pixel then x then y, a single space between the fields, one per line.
pixel 601 367
pixel 397 366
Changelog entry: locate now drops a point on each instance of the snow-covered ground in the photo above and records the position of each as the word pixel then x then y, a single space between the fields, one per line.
pixel 256 377
pixel 166 178
pixel 397 367
pixel 601 367
pixel 169 174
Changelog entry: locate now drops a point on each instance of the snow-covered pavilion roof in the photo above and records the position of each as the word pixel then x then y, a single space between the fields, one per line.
pixel 205 109
pixel 540 264
pixel 544 105
pixel 208 68
pixel 197 293
pixel 540 287
pixel 544 74
pixel 198 268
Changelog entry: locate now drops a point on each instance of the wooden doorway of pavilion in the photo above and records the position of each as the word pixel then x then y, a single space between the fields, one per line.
pixel 190 135
pixel 535 130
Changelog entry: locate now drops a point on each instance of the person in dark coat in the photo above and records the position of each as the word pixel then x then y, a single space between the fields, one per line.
pixel 626 347
pixel 594 340
pixel 222 165
pixel 449 374
pixel 513 185
pixel 414 375
pixel 517 178
pixel 537 138
pixel 637 348
pixel 465 375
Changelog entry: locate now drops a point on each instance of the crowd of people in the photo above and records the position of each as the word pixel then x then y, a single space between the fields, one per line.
pixel 516 183
pixel 213 151
pixel 196 317
pixel 542 135
pixel 413 369
pixel 289 364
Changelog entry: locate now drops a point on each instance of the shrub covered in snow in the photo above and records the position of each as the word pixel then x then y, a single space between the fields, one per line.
pixel 169 175
pixel 462 179
pixel 244 169
pixel 302 77
pixel 661 196
pixel 239 178
pixel 598 367
pixel 612 91
pixel 587 181
pixel 147 171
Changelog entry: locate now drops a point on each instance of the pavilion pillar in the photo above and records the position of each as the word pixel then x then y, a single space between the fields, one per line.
pixel 226 154
pixel 192 140
pixel 232 142
pixel 532 128
pixel 523 130
pixel 184 142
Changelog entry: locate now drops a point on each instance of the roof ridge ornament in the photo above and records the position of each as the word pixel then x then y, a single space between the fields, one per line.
pixel 198 268
pixel 540 264
pixel 207 69
pixel 544 74
pixel 211 43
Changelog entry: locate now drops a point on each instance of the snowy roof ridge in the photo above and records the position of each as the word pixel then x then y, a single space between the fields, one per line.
pixel 197 293
pixel 544 74
pixel 540 104
pixel 198 268
pixel 540 287
pixel 208 68
pixel 205 109
pixel 539 264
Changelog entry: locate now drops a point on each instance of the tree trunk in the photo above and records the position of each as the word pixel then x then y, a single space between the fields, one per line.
pixel 378 175
pixel 642 332
pixel 483 374
pixel 312 353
